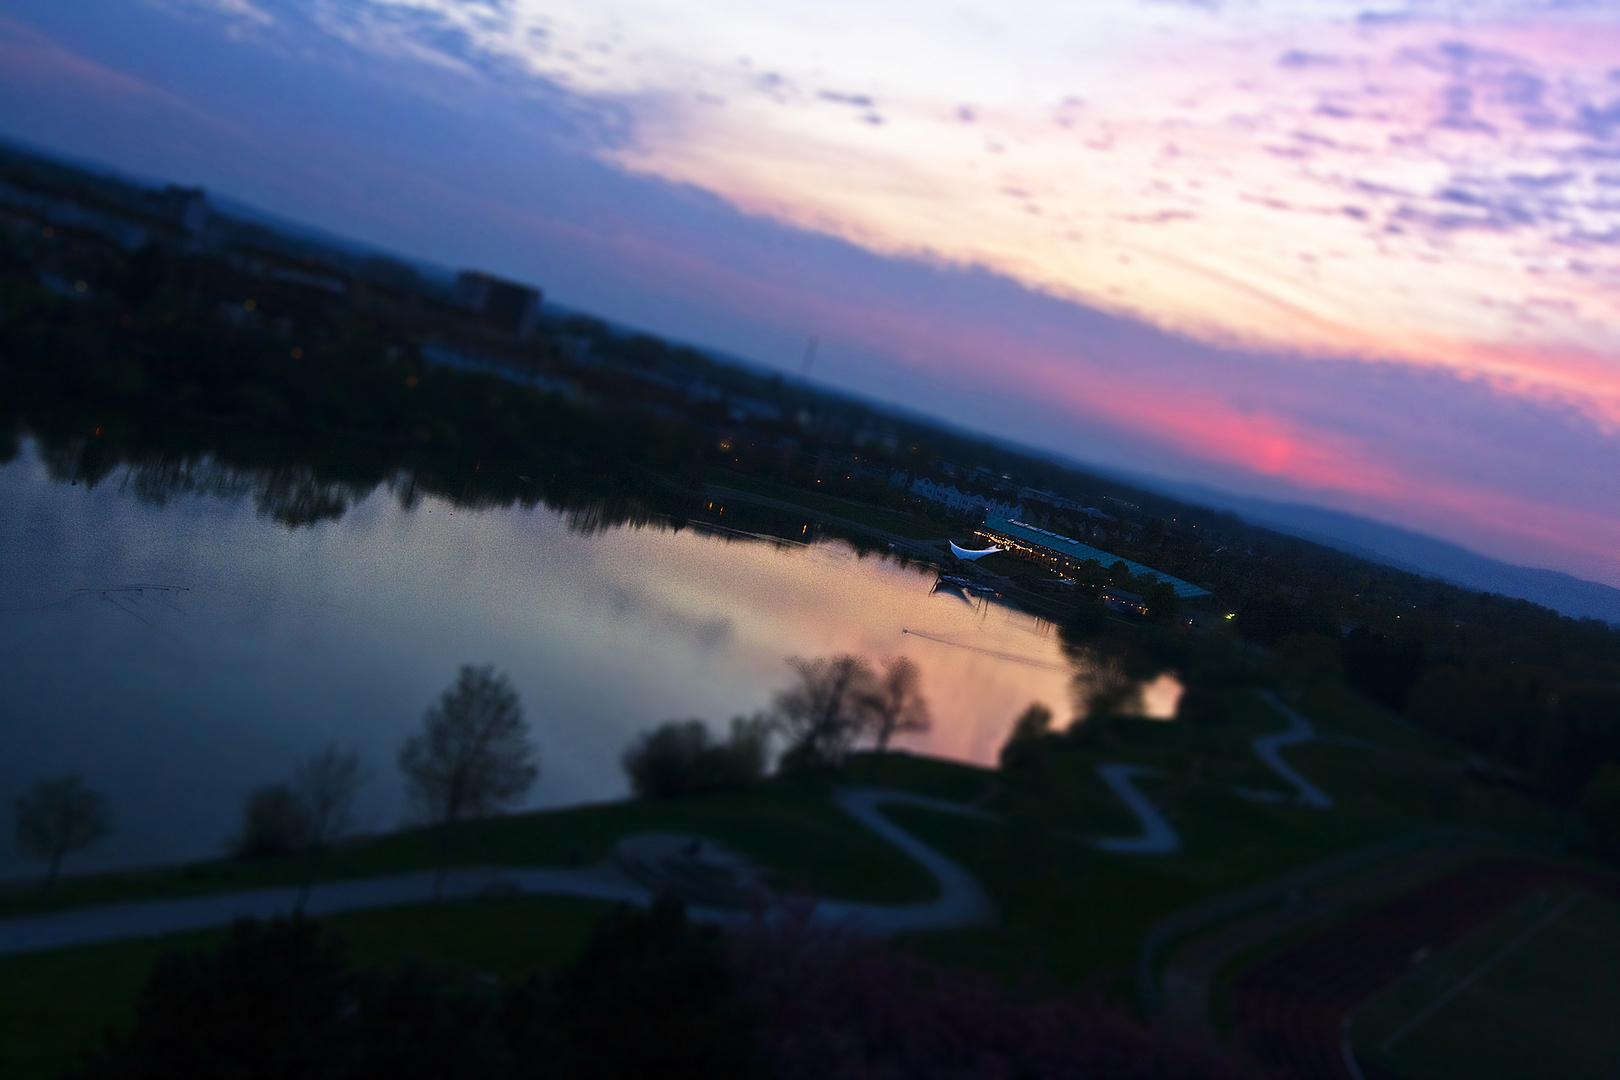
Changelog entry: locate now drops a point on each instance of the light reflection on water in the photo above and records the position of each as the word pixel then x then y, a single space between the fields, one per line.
pixel 1161 697
pixel 269 641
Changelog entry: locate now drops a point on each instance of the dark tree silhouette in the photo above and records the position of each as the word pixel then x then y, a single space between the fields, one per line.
pixel 652 995
pixel 1032 725
pixel 274 822
pixel 895 706
pixel 315 810
pixel 824 714
pixel 473 756
pixel 281 999
pixel 680 757
pixel 326 784
pixel 55 817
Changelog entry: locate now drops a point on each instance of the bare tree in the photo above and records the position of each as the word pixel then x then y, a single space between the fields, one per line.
pixel 473 755
pixel 55 817
pixel 312 812
pixel 825 713
pixel 326 784
pixel 896 706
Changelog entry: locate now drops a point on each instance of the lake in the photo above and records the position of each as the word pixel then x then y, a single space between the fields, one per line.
pixel 179 654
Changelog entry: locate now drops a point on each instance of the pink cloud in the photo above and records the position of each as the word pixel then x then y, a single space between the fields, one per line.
pixel 909 322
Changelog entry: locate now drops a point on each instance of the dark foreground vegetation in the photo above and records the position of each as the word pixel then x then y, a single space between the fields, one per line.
pixel 651 995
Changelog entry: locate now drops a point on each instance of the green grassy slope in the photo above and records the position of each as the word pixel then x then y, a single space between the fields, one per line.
pixel 1069 912
pixel 1534 994
pixel 53 1005
pixel 1073 912
pixel 789 827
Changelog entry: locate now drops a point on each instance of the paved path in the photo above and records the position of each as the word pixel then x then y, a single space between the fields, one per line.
pixel 961 902
pixel 154 918
pixel 1269 747
pixel 1156 837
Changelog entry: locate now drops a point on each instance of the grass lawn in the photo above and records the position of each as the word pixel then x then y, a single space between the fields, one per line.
pixel 789 827
pixel 1070 913
pixel 1073 912
pixel 1534 994
pixel 54 1005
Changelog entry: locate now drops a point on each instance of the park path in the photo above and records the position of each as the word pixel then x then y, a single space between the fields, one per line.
pixel 1269 747
pixel 962 902
pixel 1157 836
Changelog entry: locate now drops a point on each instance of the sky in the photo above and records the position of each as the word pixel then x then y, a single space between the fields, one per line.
pixel 1364 256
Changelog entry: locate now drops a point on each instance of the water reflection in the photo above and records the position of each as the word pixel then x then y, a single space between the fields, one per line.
pixel 182 647
pixel 1162 697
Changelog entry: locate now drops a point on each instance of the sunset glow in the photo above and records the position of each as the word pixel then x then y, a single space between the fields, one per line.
pixel 1362 258
pixel 1431 187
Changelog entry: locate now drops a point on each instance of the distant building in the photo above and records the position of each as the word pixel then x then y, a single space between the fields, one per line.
pixel 187 208
pixel 1052 498
pixel 1065 555
pixel 1121 600
pixel 959 500
pixel 502 305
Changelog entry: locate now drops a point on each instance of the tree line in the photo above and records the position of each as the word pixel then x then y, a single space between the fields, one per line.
pixel 833 705
pixel 473 755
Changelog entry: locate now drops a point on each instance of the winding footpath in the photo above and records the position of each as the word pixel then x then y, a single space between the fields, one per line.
pixel 961 901
pixel 1269 747
pixel 1159 837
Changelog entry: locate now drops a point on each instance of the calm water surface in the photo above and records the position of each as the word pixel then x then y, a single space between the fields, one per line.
pixel 177 655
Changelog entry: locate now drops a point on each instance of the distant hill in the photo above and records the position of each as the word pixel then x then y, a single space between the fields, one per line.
pixel 1414 552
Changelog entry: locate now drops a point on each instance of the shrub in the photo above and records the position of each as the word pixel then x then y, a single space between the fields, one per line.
pixel 834 1007
pixel 652 996
pixel 274 822
pixel 1028 730
pixel 680 757
pixel 1601 802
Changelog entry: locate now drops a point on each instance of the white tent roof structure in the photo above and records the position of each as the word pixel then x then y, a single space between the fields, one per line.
pixel 970 556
